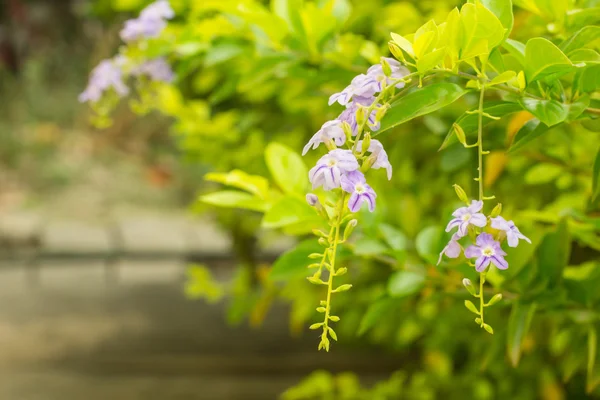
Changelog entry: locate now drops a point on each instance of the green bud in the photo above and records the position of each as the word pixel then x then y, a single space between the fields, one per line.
pixel 488 328
pixel 462 195
pixel 323 242
pixel 330 144
pixel 332 333
pixel 469 286
pixel 478 321
pixel 494 299
pixel 315 265
pixel 366 142
pixel 347 130
pixel 321 309
pixel 387 70
pixel 396 51
pixel 496 211
pixel 319 233
pixel 316 326
pixel 460 134
pixel 341 271
pixel 334 318
pixel 360 115
pixel 521 80
pixel 342 288
pixel 471 307
pixel 316 281
pixel 315 255
pixel 368 163
pixel 324 343
pixel 349 228
pixel 381 113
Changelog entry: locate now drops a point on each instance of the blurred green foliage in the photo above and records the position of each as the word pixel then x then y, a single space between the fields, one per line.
pixel 251 73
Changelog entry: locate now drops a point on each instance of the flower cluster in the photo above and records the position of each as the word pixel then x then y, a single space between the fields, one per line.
pixel 111 73
pixel 149 24
pixel 352 152
pixel 344 168
pixel 489 232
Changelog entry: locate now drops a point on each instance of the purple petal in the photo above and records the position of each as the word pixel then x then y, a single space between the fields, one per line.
pixel 475 207
pixel 482 263
pixel 453 249
pixel 478 219
pixel 512 239
pixel 472 252
pixel 500 262
pixel 354 202
pixel 500 224
pixel 485 239
pixel 453 224
pixel 370 198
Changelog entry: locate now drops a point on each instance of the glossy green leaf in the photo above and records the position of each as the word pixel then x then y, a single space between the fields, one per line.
pixel 587 56
pixel 589 79
pixel 542 173
pixel 369 247
pixel 543 59
pixel 550 112
pixel 515 49
pixel 469 122
pixel 420 102
pixel 404 44
pixel 554 253
pixel 596 177
pixel 503 10
pixel 235 199
pixel 395 238
pixel 376 311
pixel 582 17
pixel 580 39
pixel 405 283
pixel 289 211
pixel 482 31
pixel 254 184
pixel 287 168
pixel 530 131
pixel 293 263
pixel 503 78
pixel 428 242
pixel 518 326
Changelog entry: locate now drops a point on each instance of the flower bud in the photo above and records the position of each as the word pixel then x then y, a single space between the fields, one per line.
pixel 347 130
pixel 488 329
pixel 521 80
pixel 387 70
pixel 460 134
pixel 360 116
pixel 496 211
pixel 469 286
pixel 381 113
pixel 396 51
pixel 349 228
pixel 312 199
pixel 494 299
pixel 462 195
pixel 366 143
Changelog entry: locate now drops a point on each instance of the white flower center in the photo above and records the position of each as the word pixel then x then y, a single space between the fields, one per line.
pixel 359 188
pixel 488 252
pixel 332 162
pixel 466 217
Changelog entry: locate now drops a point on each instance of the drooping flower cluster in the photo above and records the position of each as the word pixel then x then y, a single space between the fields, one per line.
pixel 149 24
pixel 488 233
pixel 345 168
pixel 157 69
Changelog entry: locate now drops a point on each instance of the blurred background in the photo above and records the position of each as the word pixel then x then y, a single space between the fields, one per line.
pixel 116 281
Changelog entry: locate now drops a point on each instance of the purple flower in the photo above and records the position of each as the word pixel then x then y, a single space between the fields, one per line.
pixel 398 71
pixel 381 158
pixel 487 251
pixel 452 249
pixel 330 131
pixel 512 232
pixel 106 75
pixel 157 69
pixel 354 182
pixel 362 87
pixel 349 116
pixel 329 169
pixel 465 216
pixel 312 199
pixel 149 24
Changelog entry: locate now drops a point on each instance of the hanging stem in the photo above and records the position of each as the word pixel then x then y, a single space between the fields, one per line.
pixel 480 142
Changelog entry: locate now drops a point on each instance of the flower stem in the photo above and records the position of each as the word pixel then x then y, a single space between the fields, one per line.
pixel 481 302
pixel 480 142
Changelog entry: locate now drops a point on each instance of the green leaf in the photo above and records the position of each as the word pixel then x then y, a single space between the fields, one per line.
pixel 515 49
pixel 589 79
pixel 395 238
pixel 375 312
pixel 235 199
pixel 530 131
pixel 596 177
pixel 503 10
pixel 554 253
pixel 543 59
pixel 292 264
pixel 287 168
pixel 369 247
pixel 420 102
pixel 550 112
pixel 288 10
pixel 405 283
pixel 585 16
pixel 254 184
pixel 289 211
pixel 482 31
pixel 542 173
pixel 428 242
pixel 581 38
pixel 518 326
pixel 503 78
pixel 403 43
pixel 430 60
pixel 469 122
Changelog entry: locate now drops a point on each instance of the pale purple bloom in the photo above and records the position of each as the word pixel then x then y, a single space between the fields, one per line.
pixel 381 158
pixel 512 232
pixel 149 24
pixel 354 182
pixel 105 76
pixel 487 251
pixel 362 87
pixel 465 216
pixel 157 69
pixel 349 116
pixel 398 71
pixel 330 131
pixel 312 199
pixel 330 168
pixel 452 249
